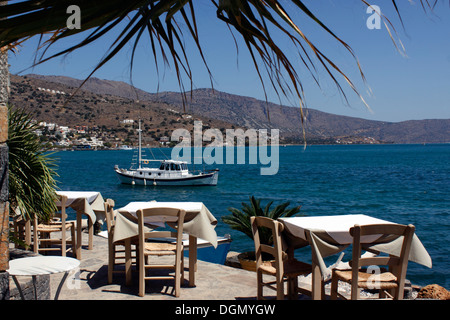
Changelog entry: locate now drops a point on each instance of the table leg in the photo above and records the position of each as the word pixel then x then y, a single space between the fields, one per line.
pixel 128 261
pixel 192 260
pixel 60 285
pixel 79 237
pixel 35 287
pixel 91 234
pixel 316 282
pixel 18 287
pixel 316 285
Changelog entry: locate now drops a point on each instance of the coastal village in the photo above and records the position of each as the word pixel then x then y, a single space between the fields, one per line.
pixel 89 138
pixel 86 138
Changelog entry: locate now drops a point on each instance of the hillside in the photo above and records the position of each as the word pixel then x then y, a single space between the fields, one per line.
pixel 223 110
pixel 104 114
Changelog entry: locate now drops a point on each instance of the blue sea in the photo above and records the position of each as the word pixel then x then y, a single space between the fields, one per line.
pixel 400 183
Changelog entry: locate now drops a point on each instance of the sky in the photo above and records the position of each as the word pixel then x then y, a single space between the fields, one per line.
pixel 400 86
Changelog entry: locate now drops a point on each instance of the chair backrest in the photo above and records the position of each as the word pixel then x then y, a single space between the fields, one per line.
pixel 109 212
pixel 62 213
pixel 397 265
pixel 172 216
pixel 276 250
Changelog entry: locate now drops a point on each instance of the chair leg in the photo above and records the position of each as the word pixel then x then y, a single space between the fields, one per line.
pixel 259 280
pixel 141 276
pixel 355 290
pixel 111 260
pixel 73 240
pixel 334 287
pixel 182 268
pixel 398 292
pixel 292 288
pixel 63 241
pixel 280 288
pixel 177 277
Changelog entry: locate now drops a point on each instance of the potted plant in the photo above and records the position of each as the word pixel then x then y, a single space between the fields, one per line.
pixel 240 220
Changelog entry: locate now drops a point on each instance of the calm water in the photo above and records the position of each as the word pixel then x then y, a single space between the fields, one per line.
pixel 400 183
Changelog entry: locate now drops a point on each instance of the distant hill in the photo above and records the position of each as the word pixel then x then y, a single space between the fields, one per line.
pixel 248 112
pixel 105 114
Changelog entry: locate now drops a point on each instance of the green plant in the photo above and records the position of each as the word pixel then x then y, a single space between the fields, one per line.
pixel 32 184
pixel 240 219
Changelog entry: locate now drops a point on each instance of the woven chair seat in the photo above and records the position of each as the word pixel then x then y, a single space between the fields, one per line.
pixel 384 280
pixel 160 249
pixel 52 227
pixel 291 268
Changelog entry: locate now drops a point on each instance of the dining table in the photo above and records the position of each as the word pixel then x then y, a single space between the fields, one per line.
pixel 89 203
pixel 38 266
pixel 199 223
pixel 328 235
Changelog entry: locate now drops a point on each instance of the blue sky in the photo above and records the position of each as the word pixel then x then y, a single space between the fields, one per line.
pixel 398 88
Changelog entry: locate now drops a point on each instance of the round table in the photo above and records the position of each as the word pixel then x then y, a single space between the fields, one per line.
pixel 41 265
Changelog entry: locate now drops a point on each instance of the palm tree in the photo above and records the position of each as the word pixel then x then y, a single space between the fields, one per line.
pixel 4 212
pixel 240 219
pixel 253 20
pixel 32 184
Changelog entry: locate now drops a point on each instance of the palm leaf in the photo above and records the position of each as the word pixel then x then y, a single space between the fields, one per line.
pixel 240 219
pixel 31 169
pixel 253 20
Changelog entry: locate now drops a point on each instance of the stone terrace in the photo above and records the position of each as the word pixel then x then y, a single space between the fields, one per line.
pixel 213 281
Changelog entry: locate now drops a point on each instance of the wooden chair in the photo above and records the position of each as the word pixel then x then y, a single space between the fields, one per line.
pixel 283 268
pixel 392 280
pixel 22 231
pixel 146 249
pixel 116 250
pixel 64 233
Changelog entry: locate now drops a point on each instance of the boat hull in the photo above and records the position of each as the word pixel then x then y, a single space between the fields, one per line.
pixel 205 179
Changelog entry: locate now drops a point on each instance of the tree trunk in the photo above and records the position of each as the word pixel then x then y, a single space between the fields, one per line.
pixel 4 207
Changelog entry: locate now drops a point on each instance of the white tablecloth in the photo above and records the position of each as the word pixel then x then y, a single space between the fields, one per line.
pixel 330 234
pixel 41 265
pixel 90 203
pixel 336 227
pixel 198 222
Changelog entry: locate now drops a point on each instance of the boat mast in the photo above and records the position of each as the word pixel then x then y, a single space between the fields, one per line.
pixel 140 154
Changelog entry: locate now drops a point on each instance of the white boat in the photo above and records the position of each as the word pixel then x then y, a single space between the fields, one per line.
pixel 125 147
pixel 169 173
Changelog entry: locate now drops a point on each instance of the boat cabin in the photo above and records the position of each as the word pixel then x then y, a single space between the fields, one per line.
pixel 167 169
pixel 173 166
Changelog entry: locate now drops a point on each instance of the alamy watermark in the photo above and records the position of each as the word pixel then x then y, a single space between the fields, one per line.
pixel 374 20
pixel 258 141
pixel 73 279
pixel 74 20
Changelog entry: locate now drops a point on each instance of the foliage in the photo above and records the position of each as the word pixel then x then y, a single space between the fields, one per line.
pixel 164 22
pixel 31 169
pixel 240 220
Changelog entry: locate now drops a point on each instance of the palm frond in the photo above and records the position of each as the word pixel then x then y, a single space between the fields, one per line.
pixel 253 20
pixel 32 170
pixel 240 219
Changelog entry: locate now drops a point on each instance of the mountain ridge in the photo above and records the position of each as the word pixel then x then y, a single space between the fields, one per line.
pixel 253 113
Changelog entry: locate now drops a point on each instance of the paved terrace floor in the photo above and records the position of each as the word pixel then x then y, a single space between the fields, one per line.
pixel 213 281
